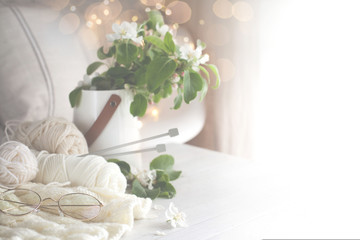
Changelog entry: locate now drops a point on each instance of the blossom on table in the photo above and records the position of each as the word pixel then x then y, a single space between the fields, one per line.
pixel 146 178
pixel 175 217
pixel 125 30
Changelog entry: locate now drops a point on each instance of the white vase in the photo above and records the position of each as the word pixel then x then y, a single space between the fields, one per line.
pixel 122 127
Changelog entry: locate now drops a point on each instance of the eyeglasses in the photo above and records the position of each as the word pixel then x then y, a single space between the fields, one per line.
pixel 20 202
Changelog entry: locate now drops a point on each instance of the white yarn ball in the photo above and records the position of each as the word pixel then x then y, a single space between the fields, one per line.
pixel 89 171
pixel 17 164
pixel 54 135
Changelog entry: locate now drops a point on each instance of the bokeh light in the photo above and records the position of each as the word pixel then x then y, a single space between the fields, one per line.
pixel 69 23
pixel 243 11
pixel 180 12
pixel 168 11
pixel 218 34
pixel 134 18
pixel 226 69
pixel 151 2
pixel 106 12
pixel 159 6
pixel 222 9
pixel 89 24
pixel 131 15
pixel 183 36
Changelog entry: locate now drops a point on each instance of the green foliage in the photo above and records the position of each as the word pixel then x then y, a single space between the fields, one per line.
pixel 169 43
pixel 138 106
pixel 151 66
pixel 101 55
pixel 93 67
pixel 161 186
pixel 193 83
pixel 75 96
pixel 158 71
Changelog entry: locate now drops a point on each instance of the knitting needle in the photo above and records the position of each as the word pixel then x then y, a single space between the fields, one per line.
pixel 159 148
pixel 172 133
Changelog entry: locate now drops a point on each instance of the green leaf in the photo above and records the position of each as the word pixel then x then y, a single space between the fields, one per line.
pixel 153 193
pixel 101 83
pixel 167 89
pixel 167 191
pixel 157 42
pixel 177 101
pixel 157 97
pixel 92 67
pixel 124 166
pixel 162 162
pixel 101 55
pixel 204 90
pixel 161 177
pixel 169 43
pixel 138 189
pixel 155 17
pixel 126 52
pixel 75 96
pixel 173 175
pixel 118 72
pixel 214 69
pixel 118 83
pixel 193 83
pixel 158 71
pixel 138 106
pixel 140 79
pixel 205 72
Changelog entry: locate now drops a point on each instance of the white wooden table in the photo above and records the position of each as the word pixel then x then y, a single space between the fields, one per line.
pixel 229 198
pixel 216 191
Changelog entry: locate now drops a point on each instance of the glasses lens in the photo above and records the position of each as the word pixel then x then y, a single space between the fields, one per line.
pixel 80 206
pixel 19 201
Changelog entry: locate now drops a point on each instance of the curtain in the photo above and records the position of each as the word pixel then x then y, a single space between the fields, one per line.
pixel 230 31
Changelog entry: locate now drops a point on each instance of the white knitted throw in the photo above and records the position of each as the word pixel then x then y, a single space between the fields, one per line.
pixel 115 219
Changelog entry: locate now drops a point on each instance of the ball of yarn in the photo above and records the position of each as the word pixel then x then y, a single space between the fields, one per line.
pixel 54 135
pixel 17 164
pixel 89 171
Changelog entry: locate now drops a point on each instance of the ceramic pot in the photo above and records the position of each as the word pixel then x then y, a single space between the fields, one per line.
pixel 122 127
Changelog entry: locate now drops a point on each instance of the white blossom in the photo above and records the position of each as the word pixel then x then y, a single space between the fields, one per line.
pixel 194 55
pixel 146 178
pixel 175 217
pixel 86 81
pixel 125 30
pixel 163 29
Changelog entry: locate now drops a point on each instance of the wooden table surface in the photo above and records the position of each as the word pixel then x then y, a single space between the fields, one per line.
pixel 216 191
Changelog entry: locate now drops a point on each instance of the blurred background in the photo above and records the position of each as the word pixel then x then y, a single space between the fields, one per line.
pixel 290 68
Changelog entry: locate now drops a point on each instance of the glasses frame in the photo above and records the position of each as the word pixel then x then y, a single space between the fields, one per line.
pixel 39 205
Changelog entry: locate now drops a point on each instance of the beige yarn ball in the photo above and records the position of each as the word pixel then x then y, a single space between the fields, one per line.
pixel 54 135
pixel 17 164
pixel 89 171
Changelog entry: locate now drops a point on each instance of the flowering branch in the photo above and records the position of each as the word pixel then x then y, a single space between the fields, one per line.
pixel 147 61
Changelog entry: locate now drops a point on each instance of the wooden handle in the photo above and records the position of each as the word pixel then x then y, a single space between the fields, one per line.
pixel 100 123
